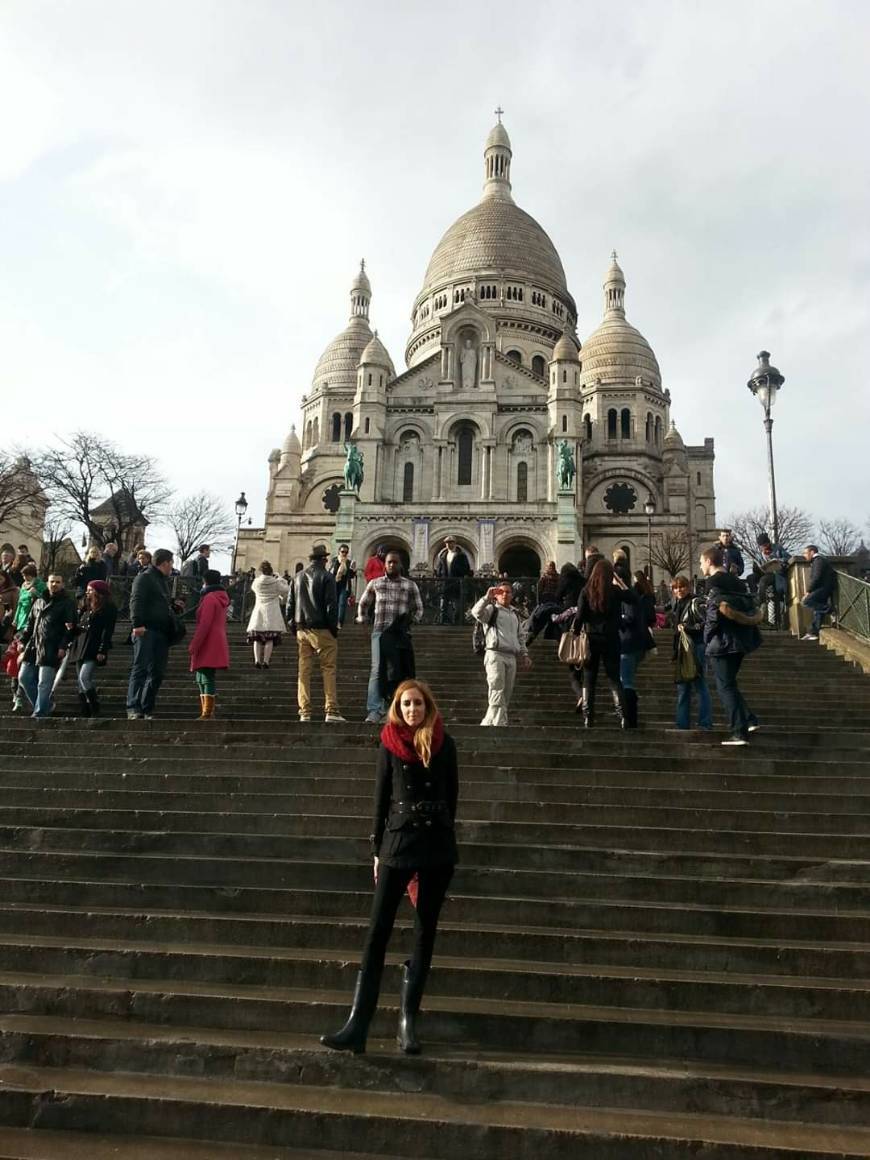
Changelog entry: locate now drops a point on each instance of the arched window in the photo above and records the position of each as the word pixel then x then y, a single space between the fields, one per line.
pixel 408 484
pixel 658 431
pixel 336 428
pixel 348 425
pixel 625 423
pixel 316 432
pixel 649 427
pixel 539 366
pixel 515 357
pixel 627 549
pixel 587 424
pixel 368 425
pixel 306 442
pixel 611 423
pixel 464 454
pixel 522 482
pixel 564 422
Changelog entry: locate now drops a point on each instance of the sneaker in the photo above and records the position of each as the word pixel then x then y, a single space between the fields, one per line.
pixel 147 716
pixel 735 740
pixel 376 718
pixel 134 715
pixel 335 719
pixel 304 719
pixel 753 728
pixel 809 636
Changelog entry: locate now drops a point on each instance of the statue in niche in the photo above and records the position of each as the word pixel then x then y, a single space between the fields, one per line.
pixel 523 443
pixel 468 362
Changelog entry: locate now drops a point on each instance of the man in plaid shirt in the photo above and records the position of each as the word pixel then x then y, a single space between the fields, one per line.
pixel 393 596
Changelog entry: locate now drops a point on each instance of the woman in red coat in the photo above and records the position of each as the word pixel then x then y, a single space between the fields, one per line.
pixel 209 649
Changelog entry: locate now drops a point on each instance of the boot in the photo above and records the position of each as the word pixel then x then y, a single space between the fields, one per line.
pixel 630 697
pixel 207 706
pixel 409 1009
pixel 86 704
pixel 94 702
pixel 352 1037
pixel 618 707
pixel 587 708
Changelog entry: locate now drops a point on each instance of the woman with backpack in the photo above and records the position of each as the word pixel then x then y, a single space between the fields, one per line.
pixel 690 658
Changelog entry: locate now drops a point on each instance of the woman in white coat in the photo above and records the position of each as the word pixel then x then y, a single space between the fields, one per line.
pixel 266 626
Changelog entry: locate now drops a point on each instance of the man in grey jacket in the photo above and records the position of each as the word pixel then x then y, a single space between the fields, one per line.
pixel 505 650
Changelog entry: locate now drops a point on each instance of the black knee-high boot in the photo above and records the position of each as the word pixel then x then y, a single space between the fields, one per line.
pixel 409 1008
pixel 93 701
pixel 86 704
pixel 619 706
pixel 353 1036
pixel 630 696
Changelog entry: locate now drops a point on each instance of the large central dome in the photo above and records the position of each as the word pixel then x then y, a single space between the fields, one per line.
pixel 496 235
pixel 497 253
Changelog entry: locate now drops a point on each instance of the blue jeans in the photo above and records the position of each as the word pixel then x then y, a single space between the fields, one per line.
pixel 740 716
pixel 699 685
pixel 37 684
pixel 374 700
pixel 150 654
pixel 86 675
pixel 628 663
pixel 343 597
pixel 819 605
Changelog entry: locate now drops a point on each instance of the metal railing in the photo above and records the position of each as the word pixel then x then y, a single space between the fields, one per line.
pixel 852 604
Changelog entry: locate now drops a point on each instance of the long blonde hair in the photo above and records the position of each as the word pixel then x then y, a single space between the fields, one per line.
pixel 424 732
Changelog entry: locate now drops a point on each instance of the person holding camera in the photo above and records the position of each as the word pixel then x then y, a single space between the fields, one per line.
pixel 505 650
pixel 344 571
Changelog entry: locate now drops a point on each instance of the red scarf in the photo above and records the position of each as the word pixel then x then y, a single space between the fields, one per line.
pixel 399 739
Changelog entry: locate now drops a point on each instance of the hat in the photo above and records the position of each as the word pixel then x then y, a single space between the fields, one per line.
pixel 762 538
pixel 319 552
pixel 99 586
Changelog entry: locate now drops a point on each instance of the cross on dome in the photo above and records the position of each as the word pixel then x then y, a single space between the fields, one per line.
pixel 499 112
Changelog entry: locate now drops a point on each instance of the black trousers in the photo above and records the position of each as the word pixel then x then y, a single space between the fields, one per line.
pixel 601 652
pixel 740 716
pixel 150 656
pixel 391 885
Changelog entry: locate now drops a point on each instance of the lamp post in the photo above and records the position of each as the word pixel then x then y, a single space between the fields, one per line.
pixel 765 384
pixel 241 508
pixel 649 509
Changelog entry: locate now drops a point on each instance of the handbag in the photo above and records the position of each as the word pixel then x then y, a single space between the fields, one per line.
pixel 686 667
pixel 177 629
pixel 574 648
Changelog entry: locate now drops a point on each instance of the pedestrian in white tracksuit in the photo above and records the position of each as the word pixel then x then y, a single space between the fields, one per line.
pixel 505 650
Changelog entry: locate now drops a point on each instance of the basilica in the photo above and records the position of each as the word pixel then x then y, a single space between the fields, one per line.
pixel 498 391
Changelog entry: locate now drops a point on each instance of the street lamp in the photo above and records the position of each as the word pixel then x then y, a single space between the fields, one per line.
pixel 241 508
pixel 649 509
pixel 765 384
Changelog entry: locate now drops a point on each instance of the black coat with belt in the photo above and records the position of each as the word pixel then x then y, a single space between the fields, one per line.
pixel 415 810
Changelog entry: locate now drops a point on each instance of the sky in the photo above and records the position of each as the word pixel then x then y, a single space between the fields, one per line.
pixel 186 189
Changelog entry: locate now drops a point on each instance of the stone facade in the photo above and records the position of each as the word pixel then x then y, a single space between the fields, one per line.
pixel 465 441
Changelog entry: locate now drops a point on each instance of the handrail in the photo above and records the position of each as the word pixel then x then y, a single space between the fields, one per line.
pixel 852 604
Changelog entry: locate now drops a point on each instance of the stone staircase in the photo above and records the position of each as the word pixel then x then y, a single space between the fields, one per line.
pixel 654 947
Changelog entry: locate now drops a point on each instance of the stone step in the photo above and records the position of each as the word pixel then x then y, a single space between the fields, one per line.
pixel 427 1124
pixel 270 1057
pixel 639 935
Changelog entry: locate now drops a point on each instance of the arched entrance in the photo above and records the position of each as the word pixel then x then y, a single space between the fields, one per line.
pixel 394 545
pixel 520 560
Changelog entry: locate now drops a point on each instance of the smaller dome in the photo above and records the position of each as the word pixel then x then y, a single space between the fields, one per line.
pixel 376 354
pixel 673 439
pixel 292 446
pixel 565 349
pixel 361 281
pixel 498 135
pixel 614 273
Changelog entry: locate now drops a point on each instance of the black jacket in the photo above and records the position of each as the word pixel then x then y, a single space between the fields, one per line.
pixel 313 599
pixel 46 630
pixel 458 567
pixel 822 579
pixel 94 634
pixel 637 620
pixel 724 637
pixel 570 586
pixel 149 602
pixel 416 838
pixel 732 558
pixel 604 626
pixel 92 570
pixel 346 580
pixel 690 612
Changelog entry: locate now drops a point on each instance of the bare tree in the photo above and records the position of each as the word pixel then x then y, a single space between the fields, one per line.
pixel 85 470
pixel 57 529
pixel 796 529
pixel 200 519
pixel 839 537
pixel 670 551
pixel 19 486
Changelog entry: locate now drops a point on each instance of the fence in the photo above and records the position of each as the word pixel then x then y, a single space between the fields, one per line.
pixel 852 604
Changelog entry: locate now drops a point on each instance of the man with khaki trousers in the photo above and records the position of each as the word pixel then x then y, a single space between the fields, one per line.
pixel 312 612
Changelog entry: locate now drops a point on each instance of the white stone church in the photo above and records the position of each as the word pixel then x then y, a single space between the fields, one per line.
pixel 466 440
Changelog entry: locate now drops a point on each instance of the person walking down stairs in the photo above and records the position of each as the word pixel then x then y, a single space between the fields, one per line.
pixel 92 642
pixel 209 649
pixel 413 844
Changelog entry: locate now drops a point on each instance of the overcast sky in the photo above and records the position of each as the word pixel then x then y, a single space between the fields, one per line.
pixel 186 189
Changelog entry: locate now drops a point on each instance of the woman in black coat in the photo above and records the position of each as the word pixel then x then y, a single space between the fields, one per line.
pixel 92 642
pixel 412 839
pixel 600 611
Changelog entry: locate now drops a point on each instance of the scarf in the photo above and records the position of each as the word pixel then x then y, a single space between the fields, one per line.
pixel 399 739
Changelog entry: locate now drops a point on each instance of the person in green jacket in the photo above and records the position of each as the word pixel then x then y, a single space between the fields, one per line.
pixel 32 587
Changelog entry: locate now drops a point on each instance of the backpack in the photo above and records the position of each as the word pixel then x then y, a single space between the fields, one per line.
pixel 478 634
pixel 189 569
